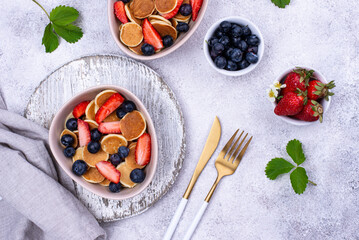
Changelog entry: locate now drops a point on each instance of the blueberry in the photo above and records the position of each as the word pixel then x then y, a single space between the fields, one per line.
pixel 251 57
pixel 225 41
pixel 253 40
pixel 137 175
pixel 246 31
pixel 69 152
pixel 125 1
pixel 115 159
pixel 219 33
pixel 218 48
pixel 120 112
pixel 115 187
pixel 79 167
pixel 93 147
pixel 236 55
pixel 253 49
pixel 213 54
pixel 167 41
pixel 182 27
pixel 67 140
pixel 236 41
pixel 147 49
pixel 225 26
pixel 96 135
pixel 128 106
pixel 231 66
pixel 185 9
pixel 212 41
pixel 123 151
pixel 243 64
pixel 220 62
pixel 228 52
pixel 243 46
pixel 237 31
pixel 71 124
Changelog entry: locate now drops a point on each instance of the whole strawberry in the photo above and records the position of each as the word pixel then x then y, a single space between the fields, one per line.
pixel 291 104
pixel 317 89
pixel 311 112
pixel 298 79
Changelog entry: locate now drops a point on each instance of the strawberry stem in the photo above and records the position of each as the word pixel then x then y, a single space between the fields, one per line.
pixel 41 8
pixel 312 183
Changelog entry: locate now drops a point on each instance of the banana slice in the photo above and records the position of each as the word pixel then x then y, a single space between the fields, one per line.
pixel 133 125
pixel 130 159
pixel 92 124
pixel 78 154
pixel 66 131
pixel 125 171
pixel 90 111
pixel 92 175
pixel 92 159
pixel 102 97
pixel 112 142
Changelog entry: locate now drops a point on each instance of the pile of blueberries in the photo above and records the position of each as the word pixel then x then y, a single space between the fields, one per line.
pixel 233 47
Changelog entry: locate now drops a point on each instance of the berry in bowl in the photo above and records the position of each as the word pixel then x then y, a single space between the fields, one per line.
pixel 150 29
pixel 105 140
pixel 233 46
pixel 300 96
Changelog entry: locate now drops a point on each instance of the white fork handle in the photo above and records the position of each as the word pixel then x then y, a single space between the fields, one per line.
pixel 175 219
pixel 195 222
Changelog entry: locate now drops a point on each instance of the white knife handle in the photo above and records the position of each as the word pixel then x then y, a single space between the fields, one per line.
pixel 195 222
pixel 175 219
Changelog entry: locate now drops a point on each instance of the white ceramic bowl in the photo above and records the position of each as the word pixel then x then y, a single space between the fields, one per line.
pixel 242 21
pixel 323 102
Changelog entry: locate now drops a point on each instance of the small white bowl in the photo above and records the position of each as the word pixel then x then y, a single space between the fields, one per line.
pixel 323 102
pixel 241 21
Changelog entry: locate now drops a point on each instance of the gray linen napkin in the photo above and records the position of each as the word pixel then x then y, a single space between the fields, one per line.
pixel 38 200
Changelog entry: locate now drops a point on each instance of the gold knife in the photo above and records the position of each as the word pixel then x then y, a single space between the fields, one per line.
pixel 208 150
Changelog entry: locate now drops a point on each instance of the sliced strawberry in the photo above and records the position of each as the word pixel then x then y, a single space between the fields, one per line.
pixel 109 127
pixel 108 107
pixel 120 11
pixel 84 132
pixel 196 6
pixel 108 171
pixel 150 35
pixel 143 150
pixel 80 109
pixel 174 11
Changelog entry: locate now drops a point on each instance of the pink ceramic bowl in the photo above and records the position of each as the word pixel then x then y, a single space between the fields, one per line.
pixel 183 37
pixel 57 126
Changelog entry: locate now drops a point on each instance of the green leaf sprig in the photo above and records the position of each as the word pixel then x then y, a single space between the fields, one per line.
pixel 61 24
pixel 298 176
pixel 281 3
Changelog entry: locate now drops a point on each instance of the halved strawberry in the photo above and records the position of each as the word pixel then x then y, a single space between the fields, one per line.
pixel 80 109
pixel 196 6
pixel 108 171
pixel 143 150
pixel 120 11
pixel 108 107
pixel 174 11
pixel 84 132
pixel 109 127
pixel 150 35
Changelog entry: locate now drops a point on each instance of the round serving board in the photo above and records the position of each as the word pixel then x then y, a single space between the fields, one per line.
pixel 154 93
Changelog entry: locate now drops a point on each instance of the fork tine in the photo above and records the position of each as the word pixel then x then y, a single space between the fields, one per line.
pixel 238 148
pixel 226 147
pixel 229 154
pixel 239 158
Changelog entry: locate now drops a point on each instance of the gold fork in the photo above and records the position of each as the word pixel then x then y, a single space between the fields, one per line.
pixel 226 164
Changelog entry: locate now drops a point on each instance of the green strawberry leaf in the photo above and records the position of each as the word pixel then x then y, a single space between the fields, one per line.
pixel 281 3
pixel 276 167
pixel 50 40
pixel 299 180
pixel 63 15
pixel 70 33
pixel 295 151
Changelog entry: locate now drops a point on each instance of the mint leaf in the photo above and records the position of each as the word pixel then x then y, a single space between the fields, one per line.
pixel 63 15
pixel 299 180
pixel 50 40
pixel 281 3
pixel 277 166
pixel 70 33
pixel 295 151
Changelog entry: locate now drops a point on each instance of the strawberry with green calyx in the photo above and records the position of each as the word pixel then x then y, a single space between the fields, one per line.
pixel 298 78
pixel 317 90
pixel 291 104
pixel 311 112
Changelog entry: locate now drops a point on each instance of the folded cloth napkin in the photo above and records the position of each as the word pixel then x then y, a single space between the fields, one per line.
pixel 38 199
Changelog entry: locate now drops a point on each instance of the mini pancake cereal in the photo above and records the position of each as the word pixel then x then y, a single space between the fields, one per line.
pixel 142 8
pixel 107 141
pixel 165 6
pixel 131 34
pixel 130 15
